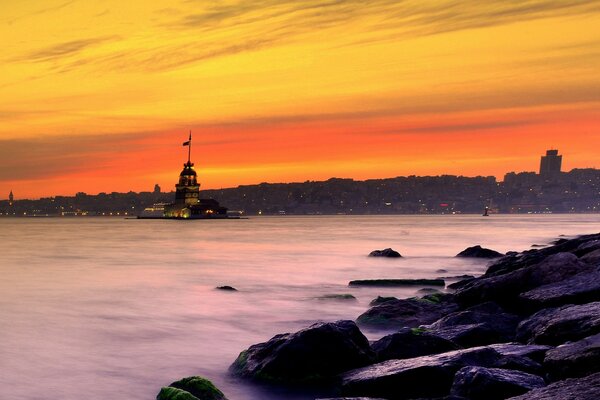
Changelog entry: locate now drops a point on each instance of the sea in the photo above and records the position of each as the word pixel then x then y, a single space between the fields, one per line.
pixel 110 308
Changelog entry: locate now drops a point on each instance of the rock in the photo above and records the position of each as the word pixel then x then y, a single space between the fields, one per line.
pixel 535 352
pixel 456 277
pixel 441 271
pixel 556 326
pixel 505 288
pixel 479 252
pixel 426 376
pixel 574 359
pixel 488 323
pixel 342 296
pixel 399 313
pixel 381 299
pixel 592 258
pixel 350 398
pixel 578 289
pixel 460 284
pixel 480 383
pixel 385 253
pixel 587 388
pixel 398 282
pixel 192 388
pixel 587 247
pixel 428 291
pixel 409 343
pixel 227 288
pixel 312 355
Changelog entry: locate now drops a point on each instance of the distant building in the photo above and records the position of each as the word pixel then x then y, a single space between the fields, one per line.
pixel 156 189
pixel 11 198
pixel 550 164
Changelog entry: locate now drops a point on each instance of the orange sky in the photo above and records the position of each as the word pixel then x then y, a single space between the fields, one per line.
pixel 98 96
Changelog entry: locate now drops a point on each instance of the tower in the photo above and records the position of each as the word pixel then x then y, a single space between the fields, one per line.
pixel 550 164
pixel 188 189
pixel 11 198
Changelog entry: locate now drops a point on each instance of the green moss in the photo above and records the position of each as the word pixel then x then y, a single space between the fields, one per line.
pixel 202 388
pixel 418 331
pixel 381 299
pixel 240 362
pixel 435 297
pixel 171 393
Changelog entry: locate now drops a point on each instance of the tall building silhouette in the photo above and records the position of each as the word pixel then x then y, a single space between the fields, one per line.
pixel 11 198
pixel 550 164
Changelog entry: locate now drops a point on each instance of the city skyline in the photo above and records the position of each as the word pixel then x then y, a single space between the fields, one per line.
pixel 291 91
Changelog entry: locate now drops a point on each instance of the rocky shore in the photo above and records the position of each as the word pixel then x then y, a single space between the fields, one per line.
pixel 527 329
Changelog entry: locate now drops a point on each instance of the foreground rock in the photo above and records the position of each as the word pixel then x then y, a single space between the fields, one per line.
pixel 587 388
pixel 506 288
pixel 385 253
pixel 556 326
pixel 479 325
pixel 480 383
pixel 192 388
pixel 310 356
pixel 398 282
pixel 479 252
pixel 398 313
pixel 574 359
pixel 410 343
pixel 420 377
pixel 579 289
pixel 535 352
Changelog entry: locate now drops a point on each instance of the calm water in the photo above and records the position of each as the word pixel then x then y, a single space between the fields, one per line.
pixel 114 309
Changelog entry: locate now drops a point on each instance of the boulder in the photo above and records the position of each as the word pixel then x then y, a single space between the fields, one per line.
pixel 587 388
pixel 480 383
pixel 578 289
pixel 469 335
pixel 311 355
pixel 399 313
pixel 489 320
pixel 535 352
pixel 409 343
pixel 381 299
pixel 398 282
pixel 587 247
pixel 337 296
pixel 385 253
pixel 479 252
pixel 574 359
pixel 556 326
pixel 505 288
pixel 426 376
pixel 227 288
pixel 460 284
pixel 592 258
pixel 191 388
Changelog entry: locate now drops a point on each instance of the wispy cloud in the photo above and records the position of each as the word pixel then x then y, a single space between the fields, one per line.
pixel 64 49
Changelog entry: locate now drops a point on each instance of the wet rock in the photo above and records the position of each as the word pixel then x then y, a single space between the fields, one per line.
pixel 556 326
pixel 227 288
pixel 460 284
pixel 381 299
pixel 578 289
pixel 535 352
pixel 480 383
pixel 427 376
pixel 409 343
pixel 505 289
pixel 484 323
pixel 398 282
pixel 587 247
pixel 312 355
pixel 587 388
pixel 385 253
pixel 428 291
pixel 191 388
pixel 574 359
pixel 456 277
pixel 441 271
pixel 340 296
pixel 479 252
pixel 351 398
pixel 592 258
pixel 413 312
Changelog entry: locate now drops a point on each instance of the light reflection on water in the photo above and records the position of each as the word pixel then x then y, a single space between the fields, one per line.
pixel 113 308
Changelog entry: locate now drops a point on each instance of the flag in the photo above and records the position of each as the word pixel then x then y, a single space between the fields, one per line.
pixel 186 143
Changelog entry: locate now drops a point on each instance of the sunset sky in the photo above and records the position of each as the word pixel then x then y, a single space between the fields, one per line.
pixel 98 96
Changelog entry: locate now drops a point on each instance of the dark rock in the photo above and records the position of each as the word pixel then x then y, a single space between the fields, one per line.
pixel 456 277
pixel 482 324
pixel 312 355
pixel 587 247
pixel 385 253
pixel 505 289
pixel 441 271
pixel 535 352
pixel 341 296
pixel 592 258
pixel 578 289
pixel 480 383
pixel 428 291
pixel 409 343
pixel 556 326
pixel 350 398
pixel 192 388
pixel 479 252
pixel 399 313
pixel 587 388
pixel 398 282
pixel 460 284
pixel 426 376
pixel 381 299
pixel 227 288
pixel 574 359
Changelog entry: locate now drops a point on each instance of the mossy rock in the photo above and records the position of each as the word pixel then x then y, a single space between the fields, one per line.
pixel 381 299
pixel 340 296
pixel 191 388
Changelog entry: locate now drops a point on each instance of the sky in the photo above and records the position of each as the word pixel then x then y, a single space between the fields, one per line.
pixel 98 96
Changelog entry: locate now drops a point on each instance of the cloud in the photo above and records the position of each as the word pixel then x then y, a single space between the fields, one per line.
pixel 64 49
